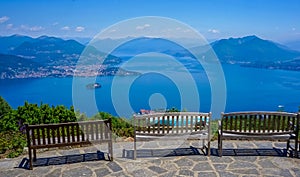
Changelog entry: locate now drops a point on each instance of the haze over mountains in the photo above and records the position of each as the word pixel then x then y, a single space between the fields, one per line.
pixel 26 57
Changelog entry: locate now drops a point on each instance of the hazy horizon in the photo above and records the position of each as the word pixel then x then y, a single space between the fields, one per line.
pixel 217 19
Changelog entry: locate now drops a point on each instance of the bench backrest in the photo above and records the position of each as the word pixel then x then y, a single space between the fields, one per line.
pixel 73 133
pixel 259 122
pixel 160 124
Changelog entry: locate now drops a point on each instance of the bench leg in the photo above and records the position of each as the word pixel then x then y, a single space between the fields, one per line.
pixel 296 147
pixel 208 148
pixel 287 147
pixel 34 155
pixel 30 159
pixel 110 151
pixel 220 150
pixel 134 149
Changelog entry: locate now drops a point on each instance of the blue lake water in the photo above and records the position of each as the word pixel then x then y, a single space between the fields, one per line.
pixel 248 89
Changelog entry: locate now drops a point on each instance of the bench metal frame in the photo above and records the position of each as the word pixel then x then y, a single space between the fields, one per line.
pixel 68 134
pixel 259 126
pixel 173 125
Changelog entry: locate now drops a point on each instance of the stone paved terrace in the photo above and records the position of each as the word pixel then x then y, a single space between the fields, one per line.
pixel 162 158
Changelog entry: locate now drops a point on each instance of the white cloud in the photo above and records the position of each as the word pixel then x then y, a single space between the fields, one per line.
pixel 55 23
pixel 32 28
pixel 66 28
pixel 3 19
pixel 293 29
pixel 9 26
pixel 79 29
pixel 142 27
pixel 36 28
pixel 215 31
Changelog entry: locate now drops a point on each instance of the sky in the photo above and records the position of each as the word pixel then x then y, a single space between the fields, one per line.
pixel 276 20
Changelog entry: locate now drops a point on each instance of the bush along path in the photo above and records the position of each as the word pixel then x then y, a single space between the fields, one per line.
pixel 12 130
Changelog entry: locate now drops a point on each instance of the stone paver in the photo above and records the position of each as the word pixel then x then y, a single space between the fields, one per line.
pixel 240 158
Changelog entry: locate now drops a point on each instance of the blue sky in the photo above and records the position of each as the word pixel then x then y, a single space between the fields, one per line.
pixel 277 20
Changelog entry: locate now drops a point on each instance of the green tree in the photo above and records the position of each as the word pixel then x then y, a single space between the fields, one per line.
pixel 35 114
pixel 173 109
pixel 4 107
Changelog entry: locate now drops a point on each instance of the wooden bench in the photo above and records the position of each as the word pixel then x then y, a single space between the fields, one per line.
pixel 68 134
pixel 259 126
pixel 173 125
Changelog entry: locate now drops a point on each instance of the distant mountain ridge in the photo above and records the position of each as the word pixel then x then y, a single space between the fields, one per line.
pixel 23 56
pixel 252 49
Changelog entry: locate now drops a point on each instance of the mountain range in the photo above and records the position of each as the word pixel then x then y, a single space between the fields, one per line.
pixel 24 56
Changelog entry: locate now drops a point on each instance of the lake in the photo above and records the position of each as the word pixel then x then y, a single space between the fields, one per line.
pixel 247 89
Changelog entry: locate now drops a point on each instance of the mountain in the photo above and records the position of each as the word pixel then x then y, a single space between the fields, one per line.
pixel 295 45
pixel 50 50
pixel 251 49
pixel 142 45
pixel 45 56
pixel 23 56
pixel 11 66
pixel 8 43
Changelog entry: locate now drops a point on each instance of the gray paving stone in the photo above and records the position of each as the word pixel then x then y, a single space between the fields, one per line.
pixel 203 166
pixel 296 171
pixel 207 174
pixel 220 167
pixel 198 158
pixel 119 174
pixel 186 172
pixel 7 163
pixel 228 145
pixel 39 170
pixel 279 144
pixel 264 144
pixel 246 158
pixel 102 172
pixel 184 162
pixel 276 171
pixel 241 165
pixel 168 174
pixel 94 164
pixel 169 165
pixel 11 172
pixel 194 165
pixel 78 172
pixel 245 144
pixel 246 171
pixel 266 164
pixel 114 166
pixel 157 169
pixel 55 172
pixel 227 174
pixel 157 162
pixel 170 143
pixel 69 152
pixel 143 173
pixel 223 159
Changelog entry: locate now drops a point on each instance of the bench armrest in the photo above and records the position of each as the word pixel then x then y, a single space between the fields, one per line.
pixel 292 126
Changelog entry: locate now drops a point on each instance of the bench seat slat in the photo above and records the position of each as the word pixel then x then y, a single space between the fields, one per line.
pixel 175 125
pixel 259 126
pixel 68 134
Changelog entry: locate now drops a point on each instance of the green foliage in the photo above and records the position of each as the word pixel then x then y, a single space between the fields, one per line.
pixel 34 114
pixel 173 109
pixel 4 107
pixel 121 127
pixel 12 137
pixel 12 143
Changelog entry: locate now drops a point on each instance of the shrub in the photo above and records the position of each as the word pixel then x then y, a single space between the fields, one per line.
pixel 12 143
pixel 120 126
